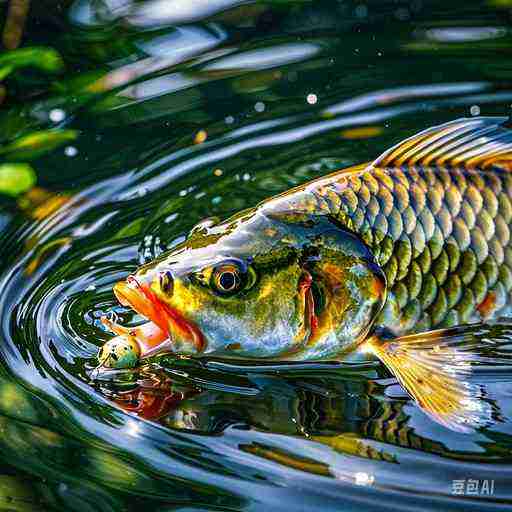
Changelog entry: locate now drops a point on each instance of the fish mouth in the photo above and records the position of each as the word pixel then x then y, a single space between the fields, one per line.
pixel 184 336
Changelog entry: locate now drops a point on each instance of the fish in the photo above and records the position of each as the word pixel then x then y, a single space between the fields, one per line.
pixel 407 258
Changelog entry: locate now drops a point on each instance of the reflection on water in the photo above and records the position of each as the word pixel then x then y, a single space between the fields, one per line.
pixel 138 119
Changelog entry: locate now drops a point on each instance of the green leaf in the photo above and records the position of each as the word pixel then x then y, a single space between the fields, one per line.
pixel 16 178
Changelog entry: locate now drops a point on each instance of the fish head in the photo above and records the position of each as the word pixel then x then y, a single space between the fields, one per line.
pixel 262 284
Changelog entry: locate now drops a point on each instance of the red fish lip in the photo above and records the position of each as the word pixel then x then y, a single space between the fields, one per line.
pixel 182 333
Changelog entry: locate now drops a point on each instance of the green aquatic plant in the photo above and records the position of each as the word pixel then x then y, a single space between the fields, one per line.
pixel 43 58
pixel 16 178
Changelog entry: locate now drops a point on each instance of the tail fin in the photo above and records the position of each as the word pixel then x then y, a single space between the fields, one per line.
pixel 438 369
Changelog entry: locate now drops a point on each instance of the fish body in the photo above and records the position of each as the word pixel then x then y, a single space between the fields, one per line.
pixel 439 233
pixel 381 255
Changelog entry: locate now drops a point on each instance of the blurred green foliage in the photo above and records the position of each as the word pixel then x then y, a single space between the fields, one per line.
pixel 16 178
pixel 44 59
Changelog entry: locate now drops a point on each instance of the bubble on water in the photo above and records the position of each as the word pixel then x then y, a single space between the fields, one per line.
pixel 259 106
pixel 311 98
pixel 246 176
pixel 229 119
pixel 71 151
pixel 57 115
pixel 474 110
pixel 216 200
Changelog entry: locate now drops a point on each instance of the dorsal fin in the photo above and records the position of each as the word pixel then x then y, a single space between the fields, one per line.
pixel 478 142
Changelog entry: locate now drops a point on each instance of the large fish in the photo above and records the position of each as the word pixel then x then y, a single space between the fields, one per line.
pixel 407 257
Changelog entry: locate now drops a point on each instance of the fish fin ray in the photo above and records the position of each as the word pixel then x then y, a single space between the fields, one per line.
pixel 478 142
pixel 439 368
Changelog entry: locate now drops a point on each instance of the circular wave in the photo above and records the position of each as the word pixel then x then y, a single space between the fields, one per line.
pixel 206 435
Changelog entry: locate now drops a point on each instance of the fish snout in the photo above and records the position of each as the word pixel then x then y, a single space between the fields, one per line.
pixel 131 294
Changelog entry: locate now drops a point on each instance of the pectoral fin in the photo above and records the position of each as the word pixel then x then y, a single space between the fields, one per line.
pixel 439 369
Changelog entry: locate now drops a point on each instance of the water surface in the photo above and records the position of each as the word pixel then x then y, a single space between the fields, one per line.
pixel 163 113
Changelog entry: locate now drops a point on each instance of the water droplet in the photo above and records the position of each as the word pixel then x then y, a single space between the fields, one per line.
pixel 57 115
pixel 312 98
pixel 71 151
pixel 259 106
pixel 475 110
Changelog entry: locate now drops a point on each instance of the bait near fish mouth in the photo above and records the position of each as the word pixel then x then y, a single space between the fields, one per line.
pixel 406 257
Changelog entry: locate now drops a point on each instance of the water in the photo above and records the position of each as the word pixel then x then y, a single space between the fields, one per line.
pixel 168 112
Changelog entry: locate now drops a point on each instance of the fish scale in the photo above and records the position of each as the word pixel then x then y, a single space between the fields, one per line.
pixel 440 234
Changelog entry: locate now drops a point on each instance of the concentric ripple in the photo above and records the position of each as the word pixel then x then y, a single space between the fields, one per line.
pixel 197 119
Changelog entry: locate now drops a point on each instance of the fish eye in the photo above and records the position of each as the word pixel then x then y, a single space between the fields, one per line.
pixel 166 282
pixel 227 278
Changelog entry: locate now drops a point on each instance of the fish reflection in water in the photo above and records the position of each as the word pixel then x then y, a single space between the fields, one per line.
pixel 346 412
